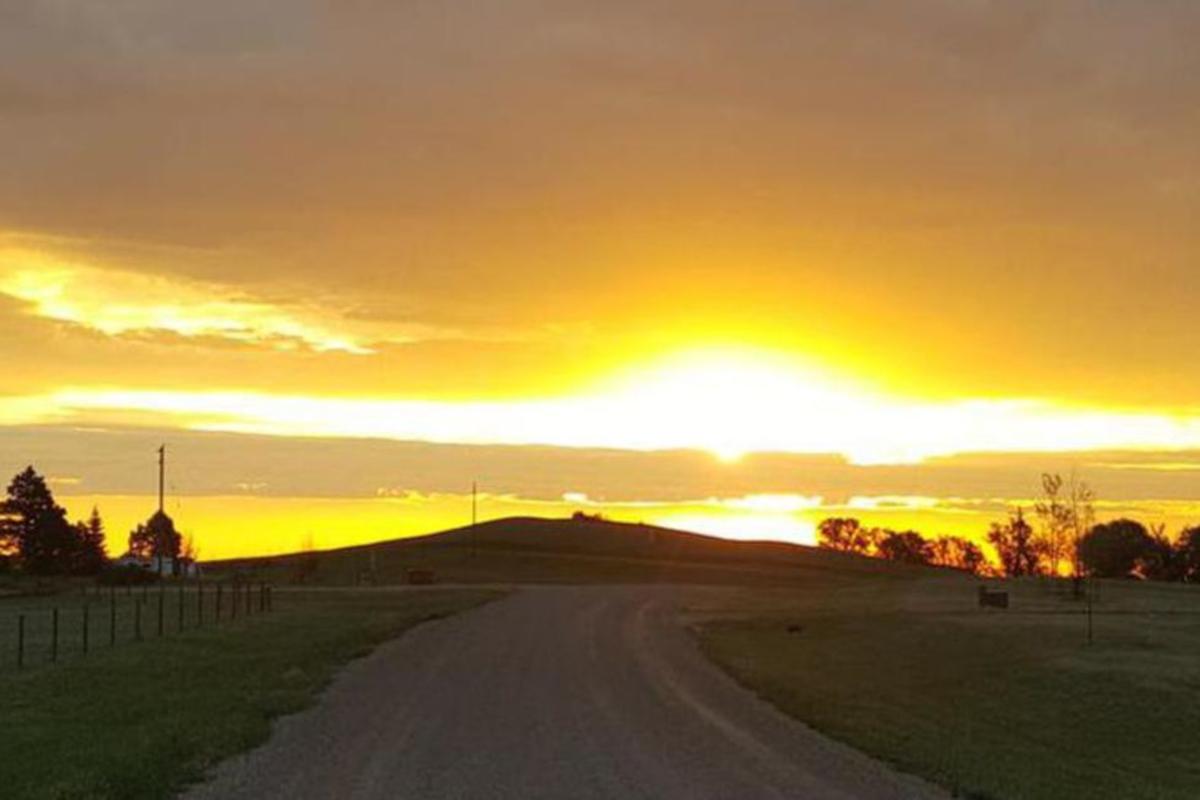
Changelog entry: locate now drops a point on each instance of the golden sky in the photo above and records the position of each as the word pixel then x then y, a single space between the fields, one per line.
pixel 884 231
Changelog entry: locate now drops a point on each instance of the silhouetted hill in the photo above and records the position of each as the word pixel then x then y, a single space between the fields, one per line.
pixel 539 550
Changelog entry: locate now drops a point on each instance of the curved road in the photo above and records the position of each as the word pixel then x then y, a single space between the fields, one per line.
pixel 571 692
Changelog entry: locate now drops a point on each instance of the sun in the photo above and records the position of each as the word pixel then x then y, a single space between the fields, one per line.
pixel 730 402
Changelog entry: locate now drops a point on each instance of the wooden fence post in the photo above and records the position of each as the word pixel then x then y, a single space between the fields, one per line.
pixel 54 636
pixel 21 642
pixel 137 620
pixel 218 613
pixel 162 598
pixel 181 606
pixel 199 604
pixel 112 619
pixel 86 626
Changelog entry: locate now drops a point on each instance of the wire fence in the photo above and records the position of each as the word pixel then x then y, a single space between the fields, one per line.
pixel 36 631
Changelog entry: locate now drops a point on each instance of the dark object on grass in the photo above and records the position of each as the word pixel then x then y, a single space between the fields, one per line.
pixel 990 599
pixel 794 628
pixel 420 577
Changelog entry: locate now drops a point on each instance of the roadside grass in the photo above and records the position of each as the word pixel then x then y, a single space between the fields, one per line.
pixel 145 719
pixel 990 704
pixel 115 617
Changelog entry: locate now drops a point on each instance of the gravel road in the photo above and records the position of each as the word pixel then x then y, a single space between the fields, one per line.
pixel 571 692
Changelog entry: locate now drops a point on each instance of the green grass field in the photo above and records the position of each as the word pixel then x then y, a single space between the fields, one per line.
pixel 142 719
pixel 897 661
pixel 113 617
pixel 992 704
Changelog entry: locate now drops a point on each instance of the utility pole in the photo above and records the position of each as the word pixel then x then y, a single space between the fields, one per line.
pixel 474 517
pixel 162 471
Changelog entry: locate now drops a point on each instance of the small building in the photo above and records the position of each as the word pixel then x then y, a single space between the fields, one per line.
pixel 161 565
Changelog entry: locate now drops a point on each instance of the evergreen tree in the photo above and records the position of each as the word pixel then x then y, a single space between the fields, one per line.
pixel 36 528
pixel 93 554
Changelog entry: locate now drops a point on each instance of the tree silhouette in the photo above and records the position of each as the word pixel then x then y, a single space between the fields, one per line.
pixel 957 553
pixel 93 553
pixel 1116 549
pixel 1162 561
pixel 1188 549
pixel 1066 512
pixel 845 534
pixel 35 528
pixel 908 547
pixel 1016 547
pixel 1057 523
pixel 158 539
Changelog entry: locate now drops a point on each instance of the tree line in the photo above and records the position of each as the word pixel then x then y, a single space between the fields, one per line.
pixel 37 538
pixel 1065 539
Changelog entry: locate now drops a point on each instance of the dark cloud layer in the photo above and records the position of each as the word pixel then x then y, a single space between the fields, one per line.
pixel 123 461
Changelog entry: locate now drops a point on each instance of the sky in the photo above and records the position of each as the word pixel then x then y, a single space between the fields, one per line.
pixel 882 236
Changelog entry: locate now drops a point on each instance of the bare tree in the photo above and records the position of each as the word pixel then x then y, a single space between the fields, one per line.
pixel 1083 517
pixel 1067 513
pixel 1057 523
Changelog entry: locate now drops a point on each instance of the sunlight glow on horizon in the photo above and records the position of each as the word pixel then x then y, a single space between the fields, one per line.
pixel 728 403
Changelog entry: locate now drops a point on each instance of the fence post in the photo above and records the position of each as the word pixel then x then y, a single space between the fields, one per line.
pixel 270 598
pixel 112 619
pixel 199 604
pixel 262 597
pixel 181 606
pixel 86 626
pixel 248 594
pixel 162 596
pixel 137 620
pixel 54 636
pixel 21 642
pixel 219 587
pixel 233 607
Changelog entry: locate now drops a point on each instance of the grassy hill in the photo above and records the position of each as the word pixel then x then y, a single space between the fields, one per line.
pixel 538 550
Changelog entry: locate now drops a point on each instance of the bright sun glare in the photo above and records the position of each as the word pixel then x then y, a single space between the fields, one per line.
pixel 729 402
pixel 726 401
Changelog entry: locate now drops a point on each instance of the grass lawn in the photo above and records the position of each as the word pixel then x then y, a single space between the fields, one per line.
pixel 143 719
pixel 991 704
